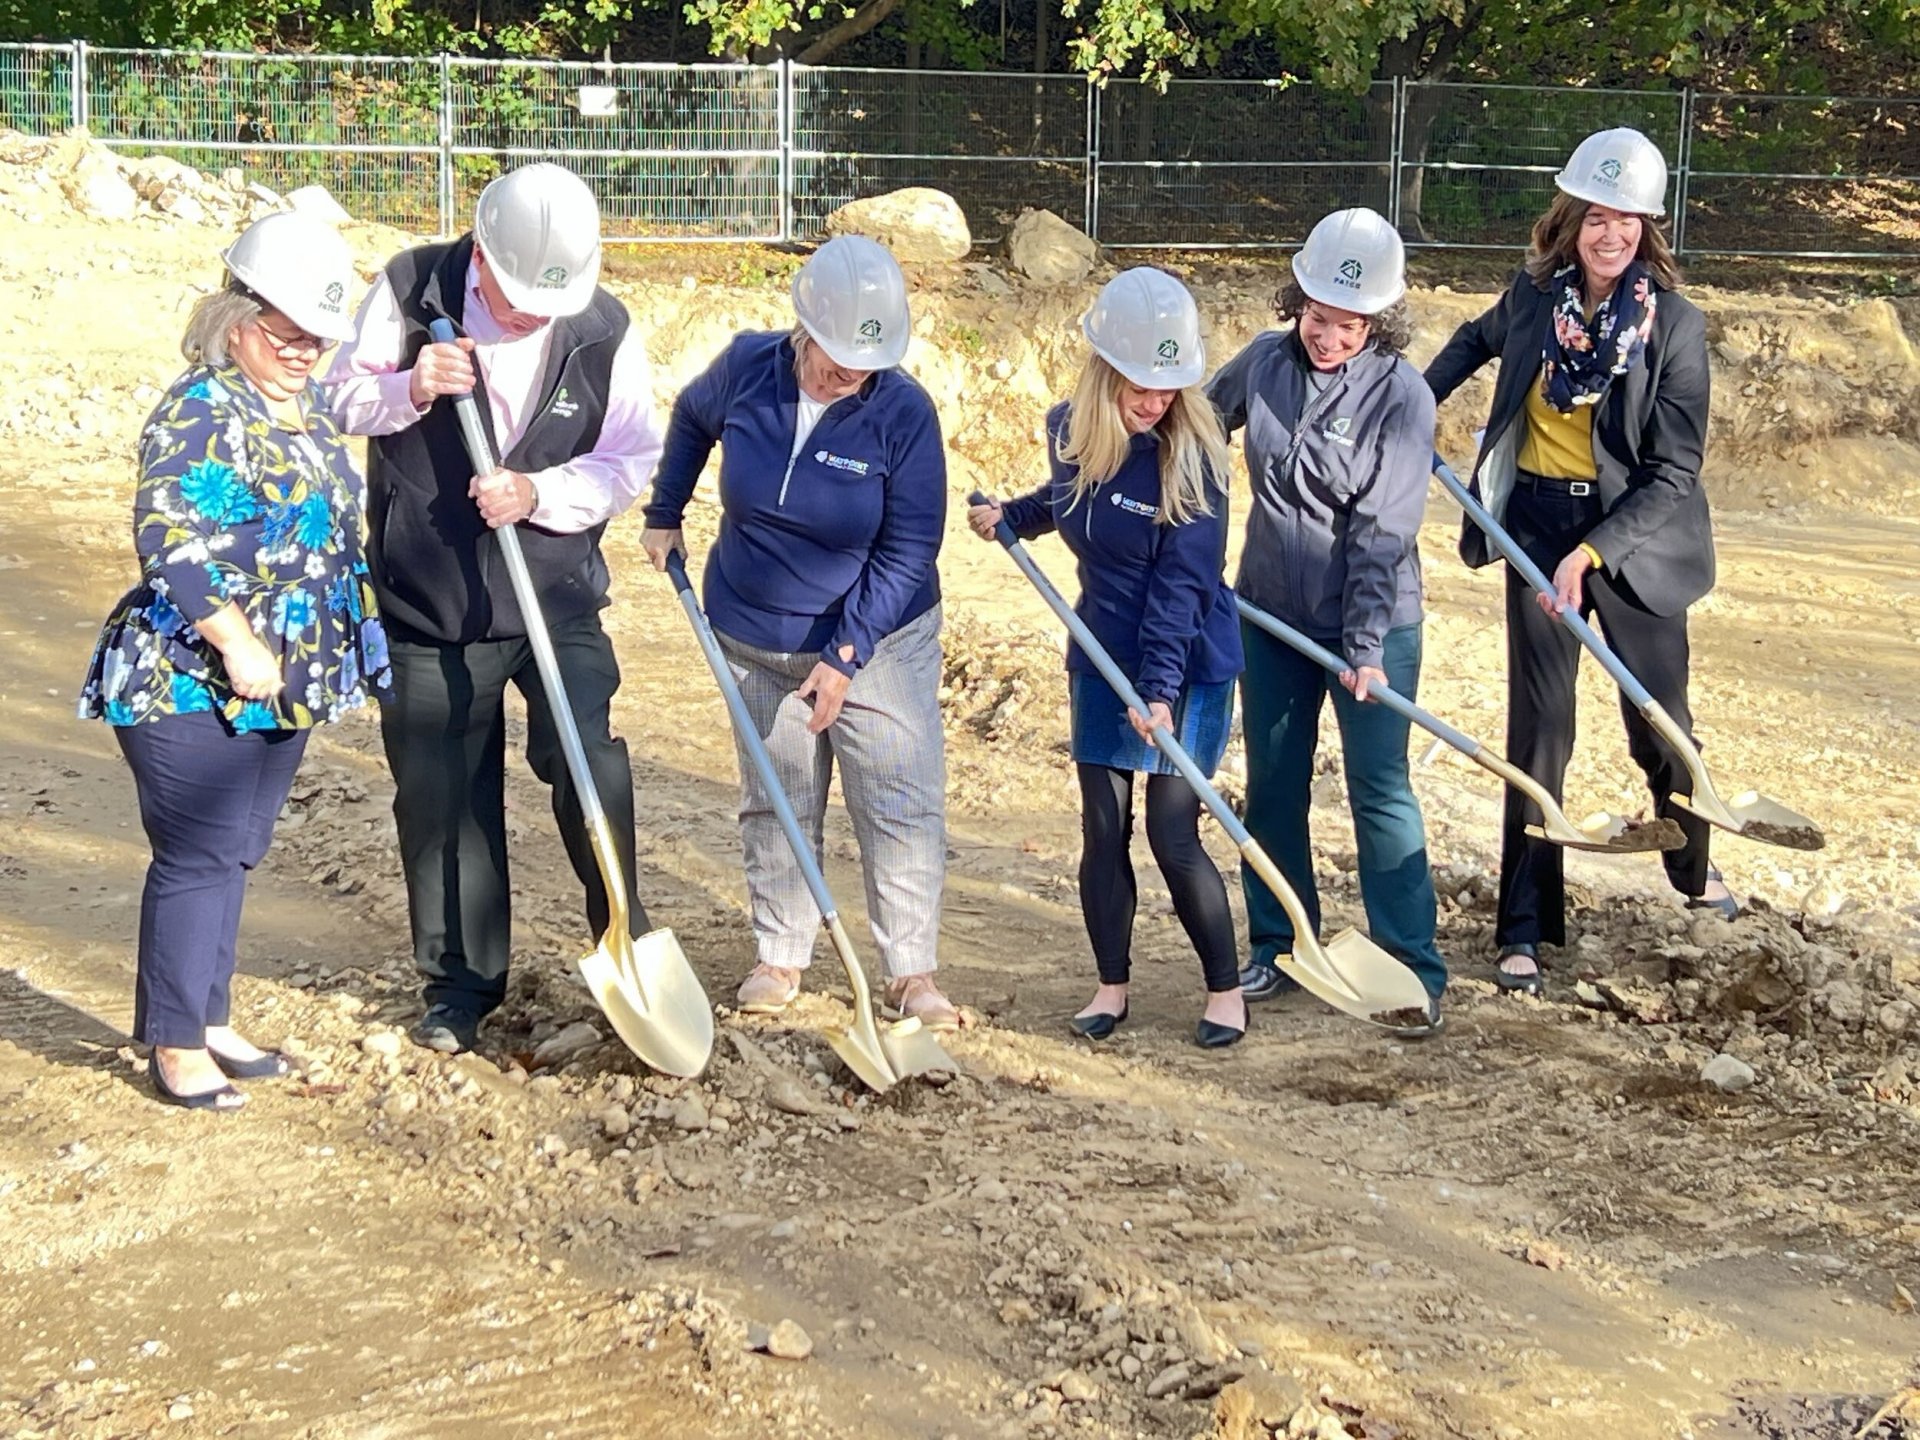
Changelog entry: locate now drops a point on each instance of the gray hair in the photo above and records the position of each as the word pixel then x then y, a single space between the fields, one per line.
pixel 214 318
pixel 1391 330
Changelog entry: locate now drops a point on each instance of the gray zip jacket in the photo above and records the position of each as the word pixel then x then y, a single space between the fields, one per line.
pixel 1339 488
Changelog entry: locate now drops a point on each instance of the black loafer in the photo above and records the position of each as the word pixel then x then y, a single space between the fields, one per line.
pixel 1210 1036
pixel 1726 907
pixel 447 1030
pixel 1518 984
pixel 1096 1027
pixel 270 1066
pixel 1261 981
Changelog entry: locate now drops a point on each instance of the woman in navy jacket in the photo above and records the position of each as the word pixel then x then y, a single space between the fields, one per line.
pixel 822 590
pixel 1138 460
pixel 1592 462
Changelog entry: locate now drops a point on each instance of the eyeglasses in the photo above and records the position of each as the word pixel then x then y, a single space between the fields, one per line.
pixel 288 347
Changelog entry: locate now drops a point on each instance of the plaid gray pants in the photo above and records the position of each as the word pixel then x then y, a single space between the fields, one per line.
pixel 893 771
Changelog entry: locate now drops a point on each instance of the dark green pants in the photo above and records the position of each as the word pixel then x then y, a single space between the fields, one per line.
pixel 1280 700
pixel 446 737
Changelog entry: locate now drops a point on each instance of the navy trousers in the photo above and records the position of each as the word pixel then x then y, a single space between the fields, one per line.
pixel 1280 701
pixel 208 802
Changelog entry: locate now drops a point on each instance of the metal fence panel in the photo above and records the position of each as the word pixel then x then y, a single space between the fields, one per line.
pixel 687 152
pixel 1780 175
pixel 1478 161
pixel 739 152
pixel 997 143
pixel 1237 162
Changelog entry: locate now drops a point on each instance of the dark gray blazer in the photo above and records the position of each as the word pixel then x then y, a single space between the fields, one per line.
pixel 1649 436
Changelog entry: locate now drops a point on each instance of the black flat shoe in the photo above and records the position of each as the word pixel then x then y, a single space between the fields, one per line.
pixel 1518 984
pixel 1209 1036
pixel 1096 1027
pixel 1261 981
pixel 1726 907
pixel 226 1098
pixel 447 1030
pixel 270 1066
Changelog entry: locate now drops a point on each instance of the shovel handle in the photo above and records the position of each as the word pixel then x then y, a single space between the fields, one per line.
pixel 755 747
pixel 481 457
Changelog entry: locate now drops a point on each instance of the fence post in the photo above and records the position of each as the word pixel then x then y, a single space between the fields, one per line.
pixel 1685 162
pixel 1396 154
pixel 77 100
pixel 1093 159
pixel 445 164
pixel 784 119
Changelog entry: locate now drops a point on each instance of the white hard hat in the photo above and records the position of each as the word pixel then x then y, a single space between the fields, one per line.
pixel 539 227
pixel 1621 169
pixel 1353 260
pixel 852 300
pixel 301 267
pixel 1145 325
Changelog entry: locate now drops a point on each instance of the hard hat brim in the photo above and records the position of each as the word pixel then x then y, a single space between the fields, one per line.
pixel 1612 202
pixel 569 299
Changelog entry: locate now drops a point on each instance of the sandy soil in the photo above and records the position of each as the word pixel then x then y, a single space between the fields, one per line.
pixel 1543 1225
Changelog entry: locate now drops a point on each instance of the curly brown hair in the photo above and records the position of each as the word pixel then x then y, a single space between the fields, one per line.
pixel 1391 330
pixel 1556 238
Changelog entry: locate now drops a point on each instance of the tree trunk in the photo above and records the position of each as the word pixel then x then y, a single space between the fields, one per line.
pixel 850 29
pixel 1425 53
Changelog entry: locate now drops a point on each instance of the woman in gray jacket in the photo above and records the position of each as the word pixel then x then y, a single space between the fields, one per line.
pixel 1339 444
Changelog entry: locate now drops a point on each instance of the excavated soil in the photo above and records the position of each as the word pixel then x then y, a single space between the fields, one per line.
pixel 1543 1224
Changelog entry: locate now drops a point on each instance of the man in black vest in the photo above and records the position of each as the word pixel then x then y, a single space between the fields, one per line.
pixel 566 395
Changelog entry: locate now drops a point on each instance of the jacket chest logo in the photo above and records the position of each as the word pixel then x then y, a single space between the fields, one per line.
pixel 1336 431
pixel 563 407
pixel 1134 507
pixel 839 462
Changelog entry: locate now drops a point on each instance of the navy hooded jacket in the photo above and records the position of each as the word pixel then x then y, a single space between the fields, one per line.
pixel 1154 595
pixel 840 549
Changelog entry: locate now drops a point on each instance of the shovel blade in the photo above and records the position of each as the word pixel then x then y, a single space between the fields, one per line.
pixel 1611 834
pixel 912 1050
pixel 1357 978
pixel 654 1001
pixel 1760 817
pixel 866 1060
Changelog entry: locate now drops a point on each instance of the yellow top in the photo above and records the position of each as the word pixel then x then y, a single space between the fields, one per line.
pixel 1557 446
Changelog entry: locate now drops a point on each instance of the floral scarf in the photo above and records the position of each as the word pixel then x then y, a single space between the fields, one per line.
pixel 1582 355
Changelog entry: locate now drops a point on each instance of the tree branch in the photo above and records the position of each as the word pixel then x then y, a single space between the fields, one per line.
pixel 851 28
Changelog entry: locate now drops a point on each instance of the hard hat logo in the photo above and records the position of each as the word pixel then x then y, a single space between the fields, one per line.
pixel 1169 351
pixel 1610 171
pixel 870 331
pixel 334 294
pixel 1351 271
pixel 554 277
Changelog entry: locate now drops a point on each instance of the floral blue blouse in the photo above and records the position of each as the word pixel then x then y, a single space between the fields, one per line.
pixel 235 507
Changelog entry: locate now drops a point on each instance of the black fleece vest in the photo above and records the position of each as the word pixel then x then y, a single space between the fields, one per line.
pixel 436 566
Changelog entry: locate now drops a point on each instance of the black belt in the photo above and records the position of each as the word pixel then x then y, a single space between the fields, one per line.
pixel 1549 485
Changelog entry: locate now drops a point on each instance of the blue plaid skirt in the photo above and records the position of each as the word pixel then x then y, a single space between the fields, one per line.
pixel 1202 717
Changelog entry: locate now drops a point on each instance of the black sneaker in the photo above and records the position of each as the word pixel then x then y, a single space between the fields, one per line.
pixel 1261 981
pixel 447 1030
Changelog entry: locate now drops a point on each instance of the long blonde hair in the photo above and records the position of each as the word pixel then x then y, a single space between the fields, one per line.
pixel 1193 447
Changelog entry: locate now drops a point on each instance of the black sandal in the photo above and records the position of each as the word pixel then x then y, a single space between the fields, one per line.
pixel 1726 907
pixel 226 1099
pixel 270 1066
pixel 1514 984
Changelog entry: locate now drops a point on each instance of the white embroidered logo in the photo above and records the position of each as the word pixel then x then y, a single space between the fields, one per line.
pixel 839 462
pixel 563 407
pixel 1132 506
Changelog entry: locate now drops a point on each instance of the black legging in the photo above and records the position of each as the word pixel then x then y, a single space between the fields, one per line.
pixel 1107 892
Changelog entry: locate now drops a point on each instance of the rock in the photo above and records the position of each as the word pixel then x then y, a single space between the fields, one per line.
pixel 918 224
pixel 783 1230
pixel 153 175
pixel 787 1341
pixel 1045 248
pixel 97 189
pixel 1895 1016
pixel 576 1039
pixel 691 1113
pixel 1076 1386
pixel 182 206
pixel 179 1410
pixel 1844 1001
pixel 613 1121
pixel 382 1043
pixel 1725 1072
pixel 991 1191
pixel 1171 1378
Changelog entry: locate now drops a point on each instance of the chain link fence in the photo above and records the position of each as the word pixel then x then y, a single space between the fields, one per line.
pixel 730 153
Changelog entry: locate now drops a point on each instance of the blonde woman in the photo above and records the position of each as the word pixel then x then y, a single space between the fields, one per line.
pixel 1137 493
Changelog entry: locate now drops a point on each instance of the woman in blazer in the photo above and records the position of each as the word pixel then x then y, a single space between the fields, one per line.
pixel 1591 459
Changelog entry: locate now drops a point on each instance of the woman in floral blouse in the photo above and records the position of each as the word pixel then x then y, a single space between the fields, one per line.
pixel 253 622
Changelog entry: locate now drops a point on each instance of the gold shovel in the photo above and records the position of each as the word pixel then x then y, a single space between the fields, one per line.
pixel 1349 972
pixel 1751 814
pixel 645 987
pixel 880 1056
pixel 1599 832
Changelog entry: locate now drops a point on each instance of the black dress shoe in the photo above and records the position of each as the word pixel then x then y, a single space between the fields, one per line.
pixel 447 1030
pixel 1261 981
pixel 270 1066
pixel 1096 1027
pixel 1209 1036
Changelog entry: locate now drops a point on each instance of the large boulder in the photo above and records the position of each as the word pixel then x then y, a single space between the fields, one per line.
pixel 96 188
pixel 917 224
pixel 1045 248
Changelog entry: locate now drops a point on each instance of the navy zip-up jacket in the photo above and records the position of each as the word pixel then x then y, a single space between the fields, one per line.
pixel 840 549
pixel 1154 595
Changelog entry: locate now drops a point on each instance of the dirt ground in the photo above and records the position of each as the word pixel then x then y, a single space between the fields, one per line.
pixel 1543 1225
